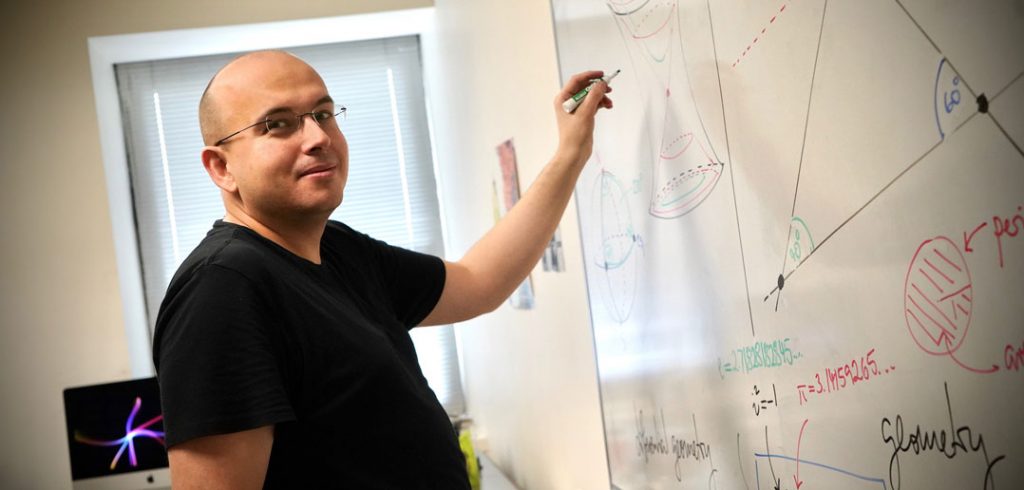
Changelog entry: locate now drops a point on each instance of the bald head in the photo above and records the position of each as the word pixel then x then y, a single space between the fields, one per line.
pixel 235 80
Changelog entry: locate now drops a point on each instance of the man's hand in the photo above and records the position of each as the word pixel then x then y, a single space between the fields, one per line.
pixel 576 129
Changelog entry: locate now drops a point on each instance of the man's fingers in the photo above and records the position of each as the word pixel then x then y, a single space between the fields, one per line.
pixel 578 82
pixel 595 99
pixel 582 79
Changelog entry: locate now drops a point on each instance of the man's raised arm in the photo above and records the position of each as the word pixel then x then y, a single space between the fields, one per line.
pixel 492 269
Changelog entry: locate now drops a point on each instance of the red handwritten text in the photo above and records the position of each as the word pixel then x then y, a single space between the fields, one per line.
pixel 1006 227
pixel 1014 357
pixel 843 376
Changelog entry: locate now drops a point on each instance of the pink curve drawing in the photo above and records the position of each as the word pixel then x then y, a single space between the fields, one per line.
pixel 796 478
pixel 682 177
pixel 685 140
pixel 692 194
pixel 128 441
pixel 657 29
pixel 688 188
pixel 648 24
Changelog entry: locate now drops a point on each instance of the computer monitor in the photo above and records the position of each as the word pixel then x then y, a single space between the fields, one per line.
pixel 116 437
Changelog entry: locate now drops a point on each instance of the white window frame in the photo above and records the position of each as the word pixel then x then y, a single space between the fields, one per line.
pixel 107 51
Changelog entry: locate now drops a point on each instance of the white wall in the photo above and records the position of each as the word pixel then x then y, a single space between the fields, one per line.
pixel 530 376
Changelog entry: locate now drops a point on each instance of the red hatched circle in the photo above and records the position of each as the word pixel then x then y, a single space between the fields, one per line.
pixel 938 296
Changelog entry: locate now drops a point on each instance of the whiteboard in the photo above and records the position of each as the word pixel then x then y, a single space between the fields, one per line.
pixel 802 234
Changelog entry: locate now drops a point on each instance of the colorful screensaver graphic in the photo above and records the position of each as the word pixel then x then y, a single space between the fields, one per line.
pixel 128 441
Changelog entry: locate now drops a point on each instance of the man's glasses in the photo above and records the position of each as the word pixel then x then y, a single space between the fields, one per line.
pixel 286 124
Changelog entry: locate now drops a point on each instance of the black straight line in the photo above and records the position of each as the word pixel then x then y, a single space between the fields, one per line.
pixel 964 80
pixel 879 193
pixel 933 43
pixel 739 460
pixel 1008 85
pixel 912 19
pixel 919 159
pixel 965 121
pixel 939 51
pixel 625 43
pixel 1008 138
pixel 768 451
pixel 855 213
pixel 689 85
pixel 803 145
pixel 732 176
pixel 718 74
pixel 996 121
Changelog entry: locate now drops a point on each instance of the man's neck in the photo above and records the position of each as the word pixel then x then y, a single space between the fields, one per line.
pixel 301 238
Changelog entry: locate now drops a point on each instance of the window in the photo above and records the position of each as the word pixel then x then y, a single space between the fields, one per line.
pixel 391 193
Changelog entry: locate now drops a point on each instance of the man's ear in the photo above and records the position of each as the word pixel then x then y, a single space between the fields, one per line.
pixel 216 164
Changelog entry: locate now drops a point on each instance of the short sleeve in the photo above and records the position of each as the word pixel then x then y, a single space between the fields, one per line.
pixel 217 364
pixel 414 281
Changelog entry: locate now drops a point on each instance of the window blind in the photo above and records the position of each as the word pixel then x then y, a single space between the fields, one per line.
pixel 390 195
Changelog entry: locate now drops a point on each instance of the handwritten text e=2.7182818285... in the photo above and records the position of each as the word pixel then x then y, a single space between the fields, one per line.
pixel 759 355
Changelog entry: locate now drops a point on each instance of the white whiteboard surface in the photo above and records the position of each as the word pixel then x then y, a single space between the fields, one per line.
pixel 804 242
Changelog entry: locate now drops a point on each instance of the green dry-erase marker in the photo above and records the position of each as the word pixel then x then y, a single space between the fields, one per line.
pixel 573 102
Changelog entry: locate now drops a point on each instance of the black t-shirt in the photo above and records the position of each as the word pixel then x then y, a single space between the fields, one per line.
pixel 250 335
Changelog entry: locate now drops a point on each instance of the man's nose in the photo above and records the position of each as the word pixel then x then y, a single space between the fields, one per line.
pixel 314 134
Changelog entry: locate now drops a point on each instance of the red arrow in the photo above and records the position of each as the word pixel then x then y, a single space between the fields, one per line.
pixel 796 477
pixel 944 337
pixel 967 239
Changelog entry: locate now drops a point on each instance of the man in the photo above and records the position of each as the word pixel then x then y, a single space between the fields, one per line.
pixel 282 345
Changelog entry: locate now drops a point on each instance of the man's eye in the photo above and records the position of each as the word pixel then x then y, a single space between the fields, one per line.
pixel 322 116
pixel 278 124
